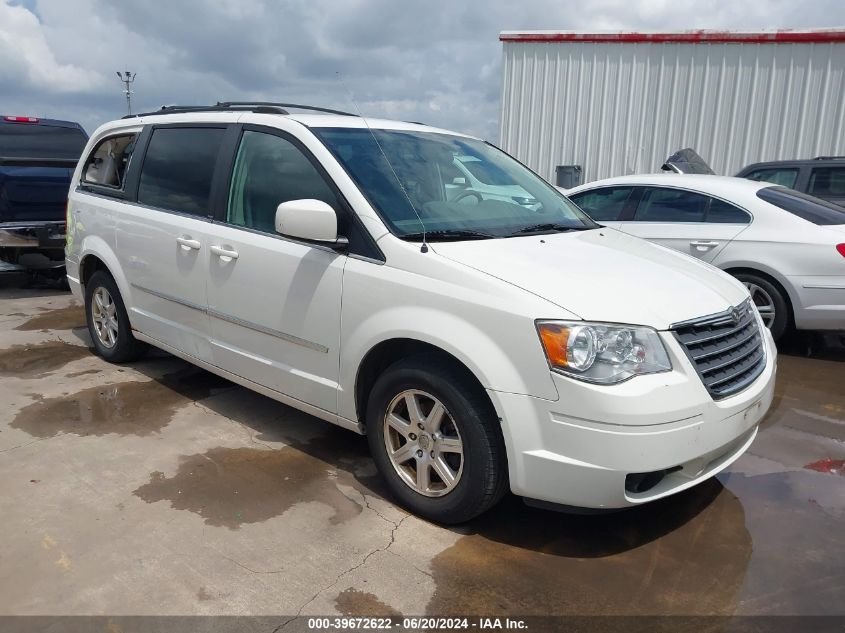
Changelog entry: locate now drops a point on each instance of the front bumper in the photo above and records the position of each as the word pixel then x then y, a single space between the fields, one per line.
pixel 580 449
pixel 32 234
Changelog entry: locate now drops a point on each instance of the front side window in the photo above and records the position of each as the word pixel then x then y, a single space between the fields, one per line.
pixel 410 179
pixel 671 205
pixel 178 169
pixel 785 177
pixel 827 181
pixel 270 170
pixel 108 162
pixel 803 205
pixel 604 204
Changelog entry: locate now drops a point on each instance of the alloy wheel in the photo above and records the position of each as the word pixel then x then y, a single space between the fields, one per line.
pixel 764 302
pixel 423 443
pixel 104 317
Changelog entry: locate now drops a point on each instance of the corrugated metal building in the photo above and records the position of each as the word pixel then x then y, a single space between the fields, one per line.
pixel 620 103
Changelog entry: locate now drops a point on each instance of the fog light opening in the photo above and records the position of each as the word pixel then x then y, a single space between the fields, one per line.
pixel 643 482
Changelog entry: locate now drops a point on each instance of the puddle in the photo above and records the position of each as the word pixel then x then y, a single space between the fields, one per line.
pixel 126 408
pixel 809 397
pixel 765 544
pixel 361 604
pixel 39 359
pixel 686 554
pixel 57 319
pixel 229 487
pixel 796 522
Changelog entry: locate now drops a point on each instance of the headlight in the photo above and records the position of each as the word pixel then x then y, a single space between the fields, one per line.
pixel 599 353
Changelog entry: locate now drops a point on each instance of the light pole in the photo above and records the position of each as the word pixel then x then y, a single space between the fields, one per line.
pixel 126 79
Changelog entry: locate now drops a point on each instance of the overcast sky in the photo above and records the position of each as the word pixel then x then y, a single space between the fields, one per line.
pixel 432 61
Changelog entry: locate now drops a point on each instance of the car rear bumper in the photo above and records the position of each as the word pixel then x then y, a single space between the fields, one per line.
pixel 619 446
pixel 46 234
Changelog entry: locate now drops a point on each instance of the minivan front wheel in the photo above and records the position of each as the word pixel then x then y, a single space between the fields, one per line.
pixel 108 323
pixel 436 441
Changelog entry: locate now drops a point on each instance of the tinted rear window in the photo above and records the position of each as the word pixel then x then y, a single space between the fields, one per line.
pixel 604 204
pixel 803 205
pixel 178 169
pixel 671 205
pixel 35 140
pixel 827 181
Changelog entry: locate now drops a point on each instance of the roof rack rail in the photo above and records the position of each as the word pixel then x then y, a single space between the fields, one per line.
pixel 264 107
pixel 295 106
pixel 829 158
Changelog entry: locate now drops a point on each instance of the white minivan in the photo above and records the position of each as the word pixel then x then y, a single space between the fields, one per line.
pixel 481 344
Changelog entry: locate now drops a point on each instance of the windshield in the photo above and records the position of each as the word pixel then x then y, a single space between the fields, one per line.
pixel 443 201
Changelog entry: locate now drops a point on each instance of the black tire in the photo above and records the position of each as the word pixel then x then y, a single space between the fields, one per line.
pixel 126 347
pixel 484 479
pixel 783 314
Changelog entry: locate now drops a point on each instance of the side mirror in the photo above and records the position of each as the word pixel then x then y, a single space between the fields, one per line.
pixel 311 220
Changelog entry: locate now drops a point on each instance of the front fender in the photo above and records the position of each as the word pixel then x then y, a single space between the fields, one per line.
pixel 511 361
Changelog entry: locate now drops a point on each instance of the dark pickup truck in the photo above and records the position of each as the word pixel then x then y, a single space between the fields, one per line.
pixel 37 159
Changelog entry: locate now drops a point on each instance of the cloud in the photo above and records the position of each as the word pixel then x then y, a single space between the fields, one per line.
pixel 26 61
pixel 435 61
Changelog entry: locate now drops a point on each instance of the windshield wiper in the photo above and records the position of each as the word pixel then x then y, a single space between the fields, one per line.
pixel 549 226
pixel 443 235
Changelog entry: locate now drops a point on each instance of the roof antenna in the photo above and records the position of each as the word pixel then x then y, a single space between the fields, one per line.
pixel 424 247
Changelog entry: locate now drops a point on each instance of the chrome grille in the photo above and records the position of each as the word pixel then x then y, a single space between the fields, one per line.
pixel 726 349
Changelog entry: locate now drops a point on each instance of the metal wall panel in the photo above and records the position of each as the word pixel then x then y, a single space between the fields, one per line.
pixel 621 108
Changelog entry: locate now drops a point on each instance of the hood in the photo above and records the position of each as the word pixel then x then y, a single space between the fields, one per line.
pixel 604 275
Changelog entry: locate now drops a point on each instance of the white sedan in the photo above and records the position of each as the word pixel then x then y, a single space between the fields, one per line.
pixel 787 247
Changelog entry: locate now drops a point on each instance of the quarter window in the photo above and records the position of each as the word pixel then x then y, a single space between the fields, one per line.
pixel 671 205
pixel 270 170
pixel 784 177
pixel 722 212
pixel 108 162
pixel 178 169
pixel 827 181
pixel 604 204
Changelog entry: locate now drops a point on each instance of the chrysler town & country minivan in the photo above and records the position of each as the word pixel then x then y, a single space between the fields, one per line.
pixel 483 344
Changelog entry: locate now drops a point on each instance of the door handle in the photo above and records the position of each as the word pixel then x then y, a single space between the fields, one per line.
pixel 703 245
pixel 224 253
pixel 188 244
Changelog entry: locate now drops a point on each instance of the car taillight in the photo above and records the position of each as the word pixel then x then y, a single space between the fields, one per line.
pixel 841 249
pixel 20 119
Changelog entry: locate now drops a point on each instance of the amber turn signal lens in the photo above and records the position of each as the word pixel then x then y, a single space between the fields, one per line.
pixel 555 338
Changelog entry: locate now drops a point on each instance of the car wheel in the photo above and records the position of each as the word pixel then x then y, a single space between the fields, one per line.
pixel 108 323
pixel 770 301
pixel 436 440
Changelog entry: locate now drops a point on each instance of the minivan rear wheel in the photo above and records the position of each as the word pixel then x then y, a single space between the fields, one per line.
pixel 108 323
pixel 435 439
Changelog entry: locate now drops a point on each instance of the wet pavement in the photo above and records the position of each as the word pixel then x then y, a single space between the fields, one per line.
pixel 158 488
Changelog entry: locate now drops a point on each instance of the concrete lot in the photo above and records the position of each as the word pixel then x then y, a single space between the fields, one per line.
pixel 157 488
